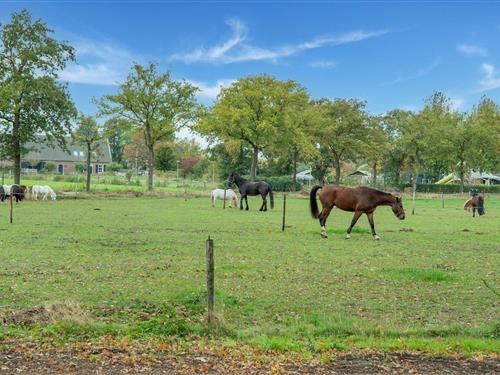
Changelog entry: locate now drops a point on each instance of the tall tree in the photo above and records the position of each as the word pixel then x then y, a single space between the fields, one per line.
pixel 394 123
pixel 154 104
pixel 484 122
pixel 31 99
pixel 296 142
pixel 251 111
pixel 376 146
pixel 88 134
pixel 135 153
pixel 118 133
pixel 340 130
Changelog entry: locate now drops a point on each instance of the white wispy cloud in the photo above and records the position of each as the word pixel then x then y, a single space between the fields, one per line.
pixel 99 63
pixel 491 80
pixel 419 73
pixel 323 64
pixel 471 49
pixel 210 92
pixel 237 49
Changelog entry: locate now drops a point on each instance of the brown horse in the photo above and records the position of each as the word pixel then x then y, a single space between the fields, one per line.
pixel 476 202
pixel 360 200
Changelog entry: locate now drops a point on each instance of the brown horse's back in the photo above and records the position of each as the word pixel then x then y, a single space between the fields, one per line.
pixel 349 199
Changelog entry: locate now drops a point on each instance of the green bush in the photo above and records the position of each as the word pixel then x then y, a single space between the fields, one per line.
pixel 80 167
pixel 49 167
pixel 114 167
pixel 451 188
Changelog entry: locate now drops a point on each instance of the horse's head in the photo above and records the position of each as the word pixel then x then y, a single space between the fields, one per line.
pixel 230 179
pixel 397 208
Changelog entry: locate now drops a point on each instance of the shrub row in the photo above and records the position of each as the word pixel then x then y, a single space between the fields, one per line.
pixel 451 188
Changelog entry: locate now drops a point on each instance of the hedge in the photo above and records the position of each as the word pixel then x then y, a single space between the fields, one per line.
pixel 277 183
pixel 451 188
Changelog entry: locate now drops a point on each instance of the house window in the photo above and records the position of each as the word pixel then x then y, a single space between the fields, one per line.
pixel 99 168
pixel 75 153
pixel 60 168
pixel 81 154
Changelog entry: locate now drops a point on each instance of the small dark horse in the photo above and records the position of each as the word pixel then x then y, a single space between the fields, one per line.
pixel 18 192
pixel 476 202
pixel 252 188
pixel 360 200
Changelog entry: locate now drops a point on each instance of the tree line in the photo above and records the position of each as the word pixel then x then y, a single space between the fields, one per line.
pixel 257 123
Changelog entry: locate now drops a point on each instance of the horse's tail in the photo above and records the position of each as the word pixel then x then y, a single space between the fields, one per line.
pixel 480 205
pixel 312 201
pixel 468 204
pixel 271 197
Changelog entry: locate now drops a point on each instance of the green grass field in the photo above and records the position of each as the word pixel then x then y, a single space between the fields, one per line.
pixel 135 267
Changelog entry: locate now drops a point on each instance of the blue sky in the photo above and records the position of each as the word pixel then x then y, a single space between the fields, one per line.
pixel 391 54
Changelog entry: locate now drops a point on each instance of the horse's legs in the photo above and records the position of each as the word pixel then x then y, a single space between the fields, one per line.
pixel 372 225
pixel 473 211
pixel 213 201
pixel 325 212
pixel 241 201
pixel 264 203
pixel 246 202
pixel 354 220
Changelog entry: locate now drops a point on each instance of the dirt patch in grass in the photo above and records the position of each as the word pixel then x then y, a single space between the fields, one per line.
pixel 44 315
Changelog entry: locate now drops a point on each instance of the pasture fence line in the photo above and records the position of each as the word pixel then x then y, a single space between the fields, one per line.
pixel 210 279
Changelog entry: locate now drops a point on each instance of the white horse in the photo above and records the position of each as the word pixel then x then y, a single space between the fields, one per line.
pixel 219 194
pixel 45 191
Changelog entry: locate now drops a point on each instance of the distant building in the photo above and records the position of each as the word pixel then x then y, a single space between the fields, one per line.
pixel 65 161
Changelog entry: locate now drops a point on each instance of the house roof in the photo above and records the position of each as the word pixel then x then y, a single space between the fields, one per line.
pixel 42 151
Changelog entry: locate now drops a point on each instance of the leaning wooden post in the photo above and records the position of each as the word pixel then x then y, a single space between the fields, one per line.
pixel 442 199
pixel 284 213
pixel 11 205
pixel 224 198
pixel 210 279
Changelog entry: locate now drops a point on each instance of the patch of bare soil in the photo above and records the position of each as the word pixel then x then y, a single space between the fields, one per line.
pixel 43 315
pixel 30 358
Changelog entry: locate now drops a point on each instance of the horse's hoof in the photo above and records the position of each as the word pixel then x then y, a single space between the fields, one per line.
pixel 376 237
pixel 347 237
pixel 246 209
pixel 324 235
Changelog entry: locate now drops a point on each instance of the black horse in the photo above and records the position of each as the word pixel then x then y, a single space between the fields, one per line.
pixel 252 188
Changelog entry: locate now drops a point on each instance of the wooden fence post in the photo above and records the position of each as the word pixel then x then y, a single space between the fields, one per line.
pixel 442 199
pixel 224 206
pixel 284 212
pixel 11 205
pixel 210 278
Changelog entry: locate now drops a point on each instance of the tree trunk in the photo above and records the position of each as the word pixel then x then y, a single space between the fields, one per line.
pixel 89 155
pixel 397 176
pixel 337 172
pixel 294 177
pixel 462 176
pixel 374 174
pixel 254 162
pixel 16 148
pixel 151 167
pixel 414 187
